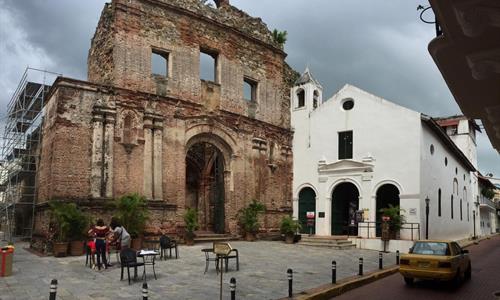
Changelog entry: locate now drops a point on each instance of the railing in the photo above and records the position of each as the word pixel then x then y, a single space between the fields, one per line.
pixel 377 226
pixel 486 201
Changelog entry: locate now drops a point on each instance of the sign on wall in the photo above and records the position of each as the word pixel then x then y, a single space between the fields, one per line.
pixel 413 211
pixel 310 215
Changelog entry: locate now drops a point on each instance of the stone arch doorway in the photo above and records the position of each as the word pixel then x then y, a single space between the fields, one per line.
pixel 307 202
pixel 345 203
pixel 206 183
pixel 386 194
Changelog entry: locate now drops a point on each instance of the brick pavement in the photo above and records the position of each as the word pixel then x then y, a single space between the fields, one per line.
pixel 262 274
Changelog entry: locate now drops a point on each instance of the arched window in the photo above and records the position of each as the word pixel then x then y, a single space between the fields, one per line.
pixel 439 203
pixel 455 186
pixel 315 99
pixel 468 212
pixel 127 130
pixel 301 98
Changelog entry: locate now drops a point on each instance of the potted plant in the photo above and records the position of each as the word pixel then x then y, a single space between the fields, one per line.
pixel 77 228
pixel 396 219
pixel 289 227
pixel 249 219
pixel 132 212
pixel 60 228
pixel 191 221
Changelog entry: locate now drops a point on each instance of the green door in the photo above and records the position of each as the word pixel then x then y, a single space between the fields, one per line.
pixel 307 202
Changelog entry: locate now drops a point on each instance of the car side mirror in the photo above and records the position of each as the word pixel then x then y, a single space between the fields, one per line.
pixel 465 251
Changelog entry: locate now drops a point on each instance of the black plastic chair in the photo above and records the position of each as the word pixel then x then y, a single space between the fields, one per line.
pixel 128 259
pixel 168 243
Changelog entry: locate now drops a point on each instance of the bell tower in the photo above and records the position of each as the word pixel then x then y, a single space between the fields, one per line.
pixel 307 93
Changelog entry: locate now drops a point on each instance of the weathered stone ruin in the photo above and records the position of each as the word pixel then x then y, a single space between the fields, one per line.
pixel 179 140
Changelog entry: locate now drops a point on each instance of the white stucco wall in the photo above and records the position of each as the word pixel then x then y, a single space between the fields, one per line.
pixel 385 135
pixel 436 175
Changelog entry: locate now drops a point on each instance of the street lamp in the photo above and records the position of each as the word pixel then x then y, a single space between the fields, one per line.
pixel 474 219
pixel 427 200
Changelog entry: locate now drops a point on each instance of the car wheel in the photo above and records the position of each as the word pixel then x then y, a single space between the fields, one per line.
pixel 468 272
pixel 458 278
pixel 408 280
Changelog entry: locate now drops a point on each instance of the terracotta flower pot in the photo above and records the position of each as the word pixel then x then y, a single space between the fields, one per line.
pixel 136 243
pixel 76 248
pixel 189 238
pixel 289 238
pixel 60 249
pixel 250 237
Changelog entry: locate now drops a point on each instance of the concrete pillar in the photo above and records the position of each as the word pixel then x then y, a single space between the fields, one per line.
pixel 157 159
pixel 148 158
pixel 109 138
pixel 97 155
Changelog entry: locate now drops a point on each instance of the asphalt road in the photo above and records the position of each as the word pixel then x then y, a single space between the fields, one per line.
pixel 485 281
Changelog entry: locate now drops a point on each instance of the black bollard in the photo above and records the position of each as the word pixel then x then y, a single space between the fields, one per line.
pixel 53 289
pixel 360 266
pixel 144 291
pixel 334 272
pixel 397 257
pixel 380 265
pixel 290 282
pixel 232 286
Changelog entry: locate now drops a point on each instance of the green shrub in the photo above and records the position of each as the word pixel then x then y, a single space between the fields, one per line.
pixel 249 216
pixel 133 213
pixel 191 220
pixel 70 221
pixel 289 225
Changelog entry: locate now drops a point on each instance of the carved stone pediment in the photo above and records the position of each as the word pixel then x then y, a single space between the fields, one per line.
pixel 344 166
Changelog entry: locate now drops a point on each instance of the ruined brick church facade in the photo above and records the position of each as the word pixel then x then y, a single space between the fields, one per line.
pixel 176 139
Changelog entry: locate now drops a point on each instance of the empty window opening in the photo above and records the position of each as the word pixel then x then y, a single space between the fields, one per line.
pixel 345 145
pixel 315 99
pixel 209 3
pixel 301 98
pixel 208 66
pixel 348 104
pixel 127 130
pixel 249 89
pixel 439 203
pixel 452 206
pixel 461 210
pixel 159 63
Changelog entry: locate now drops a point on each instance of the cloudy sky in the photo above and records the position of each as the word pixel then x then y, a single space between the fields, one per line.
pixel 377 45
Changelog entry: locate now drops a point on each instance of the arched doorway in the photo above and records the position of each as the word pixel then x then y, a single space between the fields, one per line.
pixel 307 202
pixel 205 185
pixel 386 194
pixel 345 203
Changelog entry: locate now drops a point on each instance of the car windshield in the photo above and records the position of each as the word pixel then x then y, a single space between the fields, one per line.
pixel 430 248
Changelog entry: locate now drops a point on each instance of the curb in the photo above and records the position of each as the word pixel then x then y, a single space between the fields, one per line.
pixel 328 291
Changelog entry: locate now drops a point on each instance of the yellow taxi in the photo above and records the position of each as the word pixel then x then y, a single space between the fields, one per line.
pixel 435 260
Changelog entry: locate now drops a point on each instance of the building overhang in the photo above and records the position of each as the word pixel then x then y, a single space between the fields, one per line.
pixel 468 57
pixel 344 166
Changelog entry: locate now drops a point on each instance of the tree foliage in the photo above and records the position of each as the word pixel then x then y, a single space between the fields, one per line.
pixel 132 212
pixel 280 37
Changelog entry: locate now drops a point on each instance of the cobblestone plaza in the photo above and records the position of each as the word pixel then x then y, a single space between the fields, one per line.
pixel 262 273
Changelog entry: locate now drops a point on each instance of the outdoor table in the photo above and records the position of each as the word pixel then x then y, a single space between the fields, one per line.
pixel 207 252
pixel 149 258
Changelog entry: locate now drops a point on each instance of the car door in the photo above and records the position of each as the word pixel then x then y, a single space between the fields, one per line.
pixel 460 256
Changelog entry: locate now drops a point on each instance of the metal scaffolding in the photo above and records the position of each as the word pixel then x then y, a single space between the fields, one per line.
pixel 20 151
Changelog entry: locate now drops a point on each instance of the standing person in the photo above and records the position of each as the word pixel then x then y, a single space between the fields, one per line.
pixel 120 234
pixel 100 231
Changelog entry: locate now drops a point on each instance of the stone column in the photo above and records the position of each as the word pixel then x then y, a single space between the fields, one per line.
pixel 157 159
pixel 148 157
pixel 97 162
pixel 109 137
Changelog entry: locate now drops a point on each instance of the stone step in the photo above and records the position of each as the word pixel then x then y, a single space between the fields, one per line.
pixel 215 238
pixel 343 242
pixel 328 245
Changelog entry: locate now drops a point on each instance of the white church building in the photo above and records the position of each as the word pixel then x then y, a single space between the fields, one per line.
pixel 357 153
